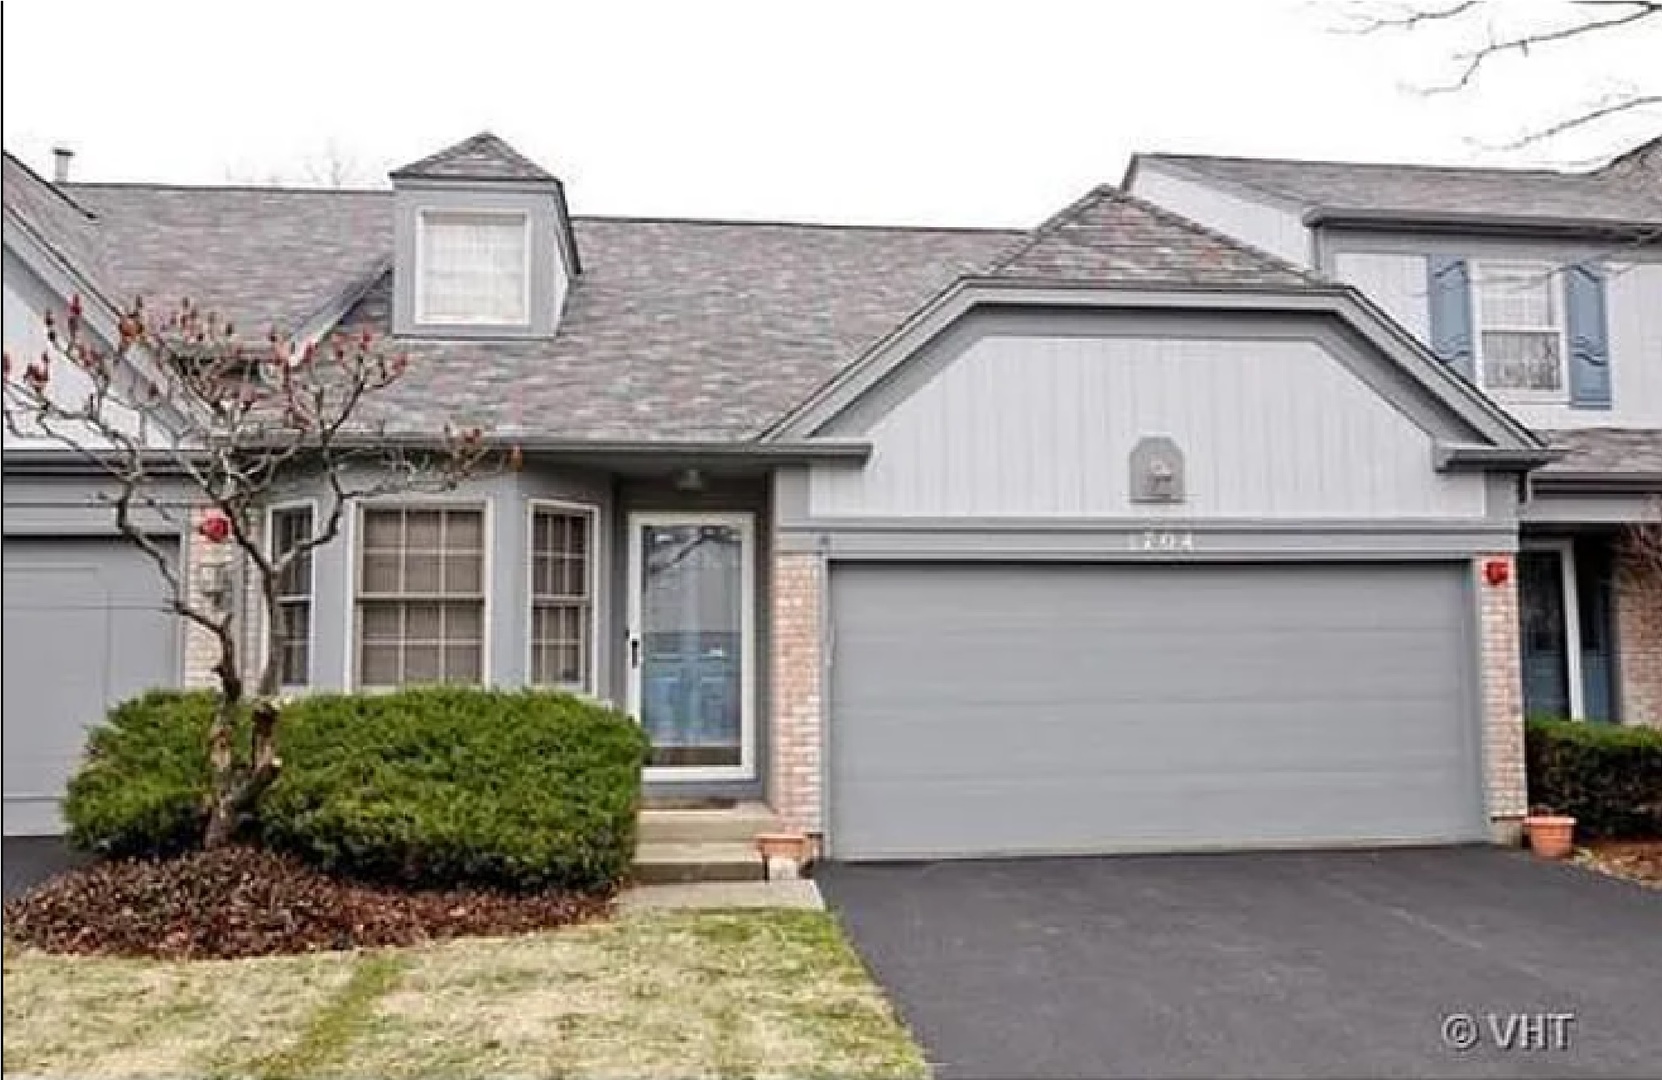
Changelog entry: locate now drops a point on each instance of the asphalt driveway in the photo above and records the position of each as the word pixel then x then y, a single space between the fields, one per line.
pixel 26 861
pixel 1307 964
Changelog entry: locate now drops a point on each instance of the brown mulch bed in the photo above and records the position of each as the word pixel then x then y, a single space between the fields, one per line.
pixel 244 902
pixel 1635 860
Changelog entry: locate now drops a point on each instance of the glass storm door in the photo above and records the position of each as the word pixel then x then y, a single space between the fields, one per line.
pixel 691 654
pixel 1545 633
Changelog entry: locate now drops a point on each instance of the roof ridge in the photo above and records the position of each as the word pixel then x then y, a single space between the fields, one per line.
pixel 1046 228
pixel 253 189
pixel 1110 193
pixel 1509 170
pixel 677 219
pixel 452 162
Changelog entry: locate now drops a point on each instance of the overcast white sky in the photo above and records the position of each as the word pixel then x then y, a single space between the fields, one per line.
pixel 894 111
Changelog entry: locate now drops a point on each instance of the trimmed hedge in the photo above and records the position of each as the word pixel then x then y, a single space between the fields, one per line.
pixel 430 787
pixel 1609 777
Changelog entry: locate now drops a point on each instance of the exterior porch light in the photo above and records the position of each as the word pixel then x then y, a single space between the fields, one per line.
pixel 690 480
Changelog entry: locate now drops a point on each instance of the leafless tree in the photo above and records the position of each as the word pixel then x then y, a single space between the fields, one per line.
pixel 243 420
pixel 1558 28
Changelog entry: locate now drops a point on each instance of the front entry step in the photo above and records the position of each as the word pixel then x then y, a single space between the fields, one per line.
pixel 735 823
pixel 664 862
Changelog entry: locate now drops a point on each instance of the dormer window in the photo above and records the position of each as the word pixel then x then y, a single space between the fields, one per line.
pixel 474 268
pixel 482 245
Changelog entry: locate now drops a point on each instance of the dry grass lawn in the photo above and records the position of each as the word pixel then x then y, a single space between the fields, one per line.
pixel 755 993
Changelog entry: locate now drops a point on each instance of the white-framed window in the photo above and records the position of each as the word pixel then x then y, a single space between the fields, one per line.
pixel 421 595
pixel 473 267
pixel 1519 312
pixel 289 525
pixel 564 569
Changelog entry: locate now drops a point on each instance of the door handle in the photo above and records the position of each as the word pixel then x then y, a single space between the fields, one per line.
pixel 634 651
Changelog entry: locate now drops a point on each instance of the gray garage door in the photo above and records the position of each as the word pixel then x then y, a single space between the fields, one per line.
pixel 997 709
pixel 83 628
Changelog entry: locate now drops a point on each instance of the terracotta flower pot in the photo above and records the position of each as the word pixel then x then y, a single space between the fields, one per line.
pixel 784 854
pixel 1551 836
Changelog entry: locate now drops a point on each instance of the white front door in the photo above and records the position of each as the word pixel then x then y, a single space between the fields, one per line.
pixel 691 658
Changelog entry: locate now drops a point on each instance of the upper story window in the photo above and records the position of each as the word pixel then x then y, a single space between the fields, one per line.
pixel 1520 320
pixel 473 268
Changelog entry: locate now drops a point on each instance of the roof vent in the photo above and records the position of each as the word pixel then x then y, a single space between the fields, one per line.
pixel 61 157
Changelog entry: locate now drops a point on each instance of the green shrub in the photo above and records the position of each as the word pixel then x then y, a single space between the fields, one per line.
pixel 1608 777
pixel 143 786
pixel 432 786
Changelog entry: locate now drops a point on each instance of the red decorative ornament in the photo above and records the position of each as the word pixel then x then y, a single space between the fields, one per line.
pixel 1497 572
pixel 215 528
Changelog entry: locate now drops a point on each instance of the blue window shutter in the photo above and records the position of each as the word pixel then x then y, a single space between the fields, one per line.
pixel 1449 288
pixel 1589 335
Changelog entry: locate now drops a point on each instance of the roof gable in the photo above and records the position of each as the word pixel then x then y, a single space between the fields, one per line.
pixel 479 157
pixel 1112 237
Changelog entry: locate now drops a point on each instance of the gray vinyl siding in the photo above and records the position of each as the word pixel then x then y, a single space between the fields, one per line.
pixel 1265 223
pixel 1280 420
pixel 1390 270
pixel 1003 709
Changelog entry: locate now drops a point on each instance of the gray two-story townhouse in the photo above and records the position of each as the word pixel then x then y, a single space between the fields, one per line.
pixel 1150 528
pixel 1544 290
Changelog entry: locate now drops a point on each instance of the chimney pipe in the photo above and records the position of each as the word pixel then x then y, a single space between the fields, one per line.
pixel 61 157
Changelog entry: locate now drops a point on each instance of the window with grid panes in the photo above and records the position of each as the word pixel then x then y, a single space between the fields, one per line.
pixel 289 526
pixel 421 596
pixel 562 599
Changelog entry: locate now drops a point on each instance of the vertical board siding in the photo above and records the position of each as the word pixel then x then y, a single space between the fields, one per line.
pixel 1022 426
pixel 1633 295
pixel 1397 283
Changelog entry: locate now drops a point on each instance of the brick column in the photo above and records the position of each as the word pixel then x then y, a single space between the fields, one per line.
pixel 1503 713
pixel 1639 639
pixel 794 778
pixel 201 562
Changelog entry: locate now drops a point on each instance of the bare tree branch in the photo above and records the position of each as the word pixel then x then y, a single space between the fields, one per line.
pixel 256 416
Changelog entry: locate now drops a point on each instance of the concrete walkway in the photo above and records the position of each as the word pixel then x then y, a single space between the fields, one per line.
pixel 709 895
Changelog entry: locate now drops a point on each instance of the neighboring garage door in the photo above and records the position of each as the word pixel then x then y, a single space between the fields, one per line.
pixel 84 627
pixel 1007 709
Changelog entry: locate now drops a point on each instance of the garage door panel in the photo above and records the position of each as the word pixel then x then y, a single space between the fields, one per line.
pixel 84 627
pixel 994 709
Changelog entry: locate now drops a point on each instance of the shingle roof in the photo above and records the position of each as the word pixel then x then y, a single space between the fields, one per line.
pixel 694 330
pixel 261 257
pixel 1109 235
pixel 59 221
pixel 479 157
pixel 1384 189
pixel 1608 451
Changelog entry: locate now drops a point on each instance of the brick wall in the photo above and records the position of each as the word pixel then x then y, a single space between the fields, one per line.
pixel 1503 712
pixel 1639 637
pixel 202 559
pixel 794 779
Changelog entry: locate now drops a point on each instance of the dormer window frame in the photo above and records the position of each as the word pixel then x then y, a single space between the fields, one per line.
pixel 419 300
